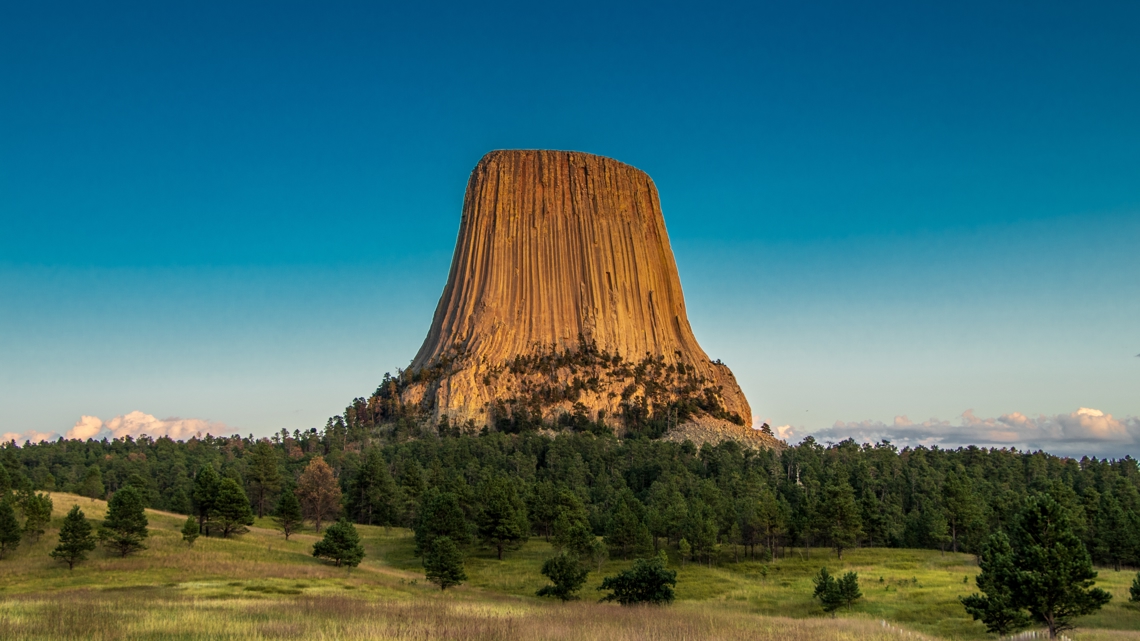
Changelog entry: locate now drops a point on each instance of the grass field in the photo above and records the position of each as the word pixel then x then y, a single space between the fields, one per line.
pixel 259 586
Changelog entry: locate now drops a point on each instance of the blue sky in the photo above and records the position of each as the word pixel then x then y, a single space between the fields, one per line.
pixel 243 215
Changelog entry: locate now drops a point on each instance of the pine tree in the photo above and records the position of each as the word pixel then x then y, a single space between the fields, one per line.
pixel 849 591
pixel 998 610
pixel 125 527
pixel 443 563
pixel 288 515
pixel 37 514
pixel 1134 590
pixel 839 515
pixel 566 576
pixel 440 515
pixel 5 483
pixel 828 592
pixel 501 518
pixel 263 475
pixel 205 493
pixel 648 581
pixel 1042 569
pixel 10 533
pixel 341 544
pixel 92 485
pixel 318 492
pixel 190 531
pixel 231 509
pixel 372 492
pixel 75 539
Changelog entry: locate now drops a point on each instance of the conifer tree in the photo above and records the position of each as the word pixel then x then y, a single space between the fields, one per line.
pixel 566 576
pixel 288 515
pixel 501 518
pixel 648 581
pixel 318 492
pixel 827 590
pixel 125 527
pixel 10 533
pixel 37 514
pixel 440 515
pixel 1043 569
pixel 231 509
pixel 205 493
pixel 372 492
pixel 998 610
pixel 75 539
pixel 1134 590
pixel 5 483
pixel 443 563
pixel 190 531
pixel 263 475
pixel 341 544
pixel 839 515
pixel 92 485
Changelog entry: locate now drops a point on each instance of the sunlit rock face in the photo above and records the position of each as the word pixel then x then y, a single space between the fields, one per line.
pixel 562 272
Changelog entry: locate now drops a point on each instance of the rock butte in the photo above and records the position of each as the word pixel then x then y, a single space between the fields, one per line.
pixel 557 249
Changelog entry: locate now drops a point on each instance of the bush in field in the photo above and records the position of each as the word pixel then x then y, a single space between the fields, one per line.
pixel 75 539
pixel 124 529
pixel 1134 591
pixel 443 563
pixel 190 530
pixel 566 576
pixel 340 545
pixel 10 533
pixel 646 582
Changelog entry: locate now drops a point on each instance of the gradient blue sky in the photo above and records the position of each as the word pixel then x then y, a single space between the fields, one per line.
pixel 244 213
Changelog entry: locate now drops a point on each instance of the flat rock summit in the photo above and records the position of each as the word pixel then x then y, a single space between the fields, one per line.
pixel 563 300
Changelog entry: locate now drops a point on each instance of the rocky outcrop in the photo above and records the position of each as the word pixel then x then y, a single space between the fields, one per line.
pixel 563 297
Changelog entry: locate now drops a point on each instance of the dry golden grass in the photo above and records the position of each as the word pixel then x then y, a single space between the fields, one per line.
pixel 103 616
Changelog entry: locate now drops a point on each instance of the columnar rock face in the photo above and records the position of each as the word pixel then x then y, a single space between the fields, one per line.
pixel 558 251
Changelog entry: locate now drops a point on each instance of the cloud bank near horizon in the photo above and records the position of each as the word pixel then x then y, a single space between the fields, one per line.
pixel 1086 431
pixel 134 425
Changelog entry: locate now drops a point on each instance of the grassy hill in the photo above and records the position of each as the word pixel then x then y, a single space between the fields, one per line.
pixel 259 586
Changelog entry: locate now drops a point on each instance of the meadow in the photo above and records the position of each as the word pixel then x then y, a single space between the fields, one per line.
pixel 259 586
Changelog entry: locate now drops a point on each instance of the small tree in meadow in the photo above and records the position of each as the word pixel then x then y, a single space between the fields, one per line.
pixel 10 533
pixel 75 539
pixel 827 591
pixel 648 581
pixel 231 509
pixel 566 576
pixel 318 492
pixel 205 493
pixel 37 514
pixel 288 515
pixel 1134 591
pixel 443 563
pixel 341 545
pixel 190 531
pixel 125 527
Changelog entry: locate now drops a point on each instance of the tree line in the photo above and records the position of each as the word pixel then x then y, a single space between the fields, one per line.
pixel 713 504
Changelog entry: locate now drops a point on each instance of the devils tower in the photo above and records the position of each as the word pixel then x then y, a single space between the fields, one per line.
pixel 563 299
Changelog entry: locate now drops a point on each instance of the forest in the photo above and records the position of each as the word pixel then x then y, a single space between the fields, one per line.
pixel 711 505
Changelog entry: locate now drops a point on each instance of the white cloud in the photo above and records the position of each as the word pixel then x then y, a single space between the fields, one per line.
pixel 137 423
pixel 1085 431
pixel 30 435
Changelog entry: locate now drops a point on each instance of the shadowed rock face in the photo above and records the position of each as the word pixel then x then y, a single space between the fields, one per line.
pixel 558 250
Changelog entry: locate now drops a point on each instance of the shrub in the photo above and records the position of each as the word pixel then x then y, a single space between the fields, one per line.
pixel 340 545
pixel 566 575
pixel 648 581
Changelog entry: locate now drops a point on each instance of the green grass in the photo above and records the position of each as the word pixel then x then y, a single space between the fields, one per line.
pixel 254 584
